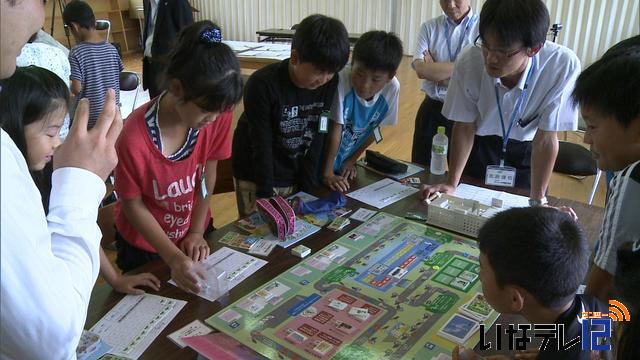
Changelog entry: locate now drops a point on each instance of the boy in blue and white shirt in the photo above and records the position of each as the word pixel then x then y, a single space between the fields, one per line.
pixel 367 98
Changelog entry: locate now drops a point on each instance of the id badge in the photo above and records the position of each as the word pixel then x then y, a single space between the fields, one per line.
pixel 323 125
pixel 377 134
pixel 203 186
pixel 500 176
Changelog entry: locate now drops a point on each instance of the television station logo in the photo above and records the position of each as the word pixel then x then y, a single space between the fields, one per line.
pixel 595 335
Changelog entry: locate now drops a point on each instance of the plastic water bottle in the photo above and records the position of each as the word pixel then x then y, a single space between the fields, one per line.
pixel 439 149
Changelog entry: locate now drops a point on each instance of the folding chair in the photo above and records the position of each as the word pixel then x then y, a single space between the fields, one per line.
pixel 130 81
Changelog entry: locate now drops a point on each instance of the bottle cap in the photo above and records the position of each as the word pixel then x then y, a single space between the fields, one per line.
pixel 441 130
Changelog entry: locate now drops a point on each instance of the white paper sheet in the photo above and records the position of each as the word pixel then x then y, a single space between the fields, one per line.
pixel 132 325
pixel 484 196
pixel 236 265
pixel 382 193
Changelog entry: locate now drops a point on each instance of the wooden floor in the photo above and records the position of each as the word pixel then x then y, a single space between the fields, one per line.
pixel 397 144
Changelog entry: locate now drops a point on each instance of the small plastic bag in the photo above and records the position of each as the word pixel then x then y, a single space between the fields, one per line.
pixel 212 281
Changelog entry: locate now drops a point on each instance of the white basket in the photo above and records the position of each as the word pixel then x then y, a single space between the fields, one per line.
pixel 464 216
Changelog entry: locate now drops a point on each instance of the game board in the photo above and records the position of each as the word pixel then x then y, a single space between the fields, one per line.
pixel 384 290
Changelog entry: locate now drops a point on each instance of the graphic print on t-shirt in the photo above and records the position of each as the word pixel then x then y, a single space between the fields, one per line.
pixel 174 195
pixel 297 128
pixel 359 122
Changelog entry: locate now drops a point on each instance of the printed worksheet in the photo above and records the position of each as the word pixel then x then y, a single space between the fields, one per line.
pixel 237 266
pixel 132 325
pixel 382 193
pixel 484 196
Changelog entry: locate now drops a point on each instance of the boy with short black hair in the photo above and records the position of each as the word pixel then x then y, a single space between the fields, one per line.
pixel 509 96
pixel 532 261
pixel 367 98
pixel 95 64
pixel 279 139
pixel 608 93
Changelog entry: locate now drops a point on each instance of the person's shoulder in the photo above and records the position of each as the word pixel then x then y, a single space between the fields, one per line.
pixel 591 303
pixel 557 55
pixel 270 71
pixel 75 49
pixel 134 124
pixel 432 23
pixel 344 78
pixel 634 170
pixel 56 51
pixel 394 84
pixel 391 89
pixel 264 78
pixel 470 59
pixel 224 119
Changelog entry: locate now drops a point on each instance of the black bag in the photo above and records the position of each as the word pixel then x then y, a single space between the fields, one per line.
pixel 384 164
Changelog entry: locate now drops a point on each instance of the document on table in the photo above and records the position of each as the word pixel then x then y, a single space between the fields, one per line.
pixel 132 325
pixel 236 265
pixel 382 193
pixel 484 196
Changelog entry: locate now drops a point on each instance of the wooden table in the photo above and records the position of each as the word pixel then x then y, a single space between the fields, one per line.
pixel 255 55
pixel 280 260
pixel 287 34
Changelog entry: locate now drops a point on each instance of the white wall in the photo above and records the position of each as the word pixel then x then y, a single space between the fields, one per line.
pixel 590 27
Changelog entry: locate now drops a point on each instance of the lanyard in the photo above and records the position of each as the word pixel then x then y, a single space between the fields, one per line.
pixel 453 56
pixel 516 110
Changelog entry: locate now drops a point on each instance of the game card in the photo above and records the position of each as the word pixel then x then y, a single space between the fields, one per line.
pixel 459 329
pixel 300 271
pixel 468 275
pixel 363 214
pixel 477 308
pixel 460 283
pixel 194 328
pixel 337 305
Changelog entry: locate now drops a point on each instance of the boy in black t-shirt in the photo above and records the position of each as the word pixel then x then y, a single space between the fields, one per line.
pixel 278 142
pixel 532 261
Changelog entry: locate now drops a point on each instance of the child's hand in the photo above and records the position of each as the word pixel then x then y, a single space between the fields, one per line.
pixel 195 246
pixel 183 273
pixel 349 170
pixel 336 183
pixel 127 283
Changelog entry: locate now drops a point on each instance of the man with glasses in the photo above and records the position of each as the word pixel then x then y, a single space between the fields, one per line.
pixel 440 41
pixel 509 95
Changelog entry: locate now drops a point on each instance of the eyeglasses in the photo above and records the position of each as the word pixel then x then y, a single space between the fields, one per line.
pixel 500 53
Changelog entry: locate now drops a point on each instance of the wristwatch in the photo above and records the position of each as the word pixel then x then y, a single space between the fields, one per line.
pixel 540 202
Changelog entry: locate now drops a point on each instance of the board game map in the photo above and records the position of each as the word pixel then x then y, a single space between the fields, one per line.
pixel 382 291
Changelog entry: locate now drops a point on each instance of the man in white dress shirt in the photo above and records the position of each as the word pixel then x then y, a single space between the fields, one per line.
pixel 49 264
pixel 509 95
pixel 440 41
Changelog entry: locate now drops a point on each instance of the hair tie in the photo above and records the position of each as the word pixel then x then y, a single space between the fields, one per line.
pixel 211 35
